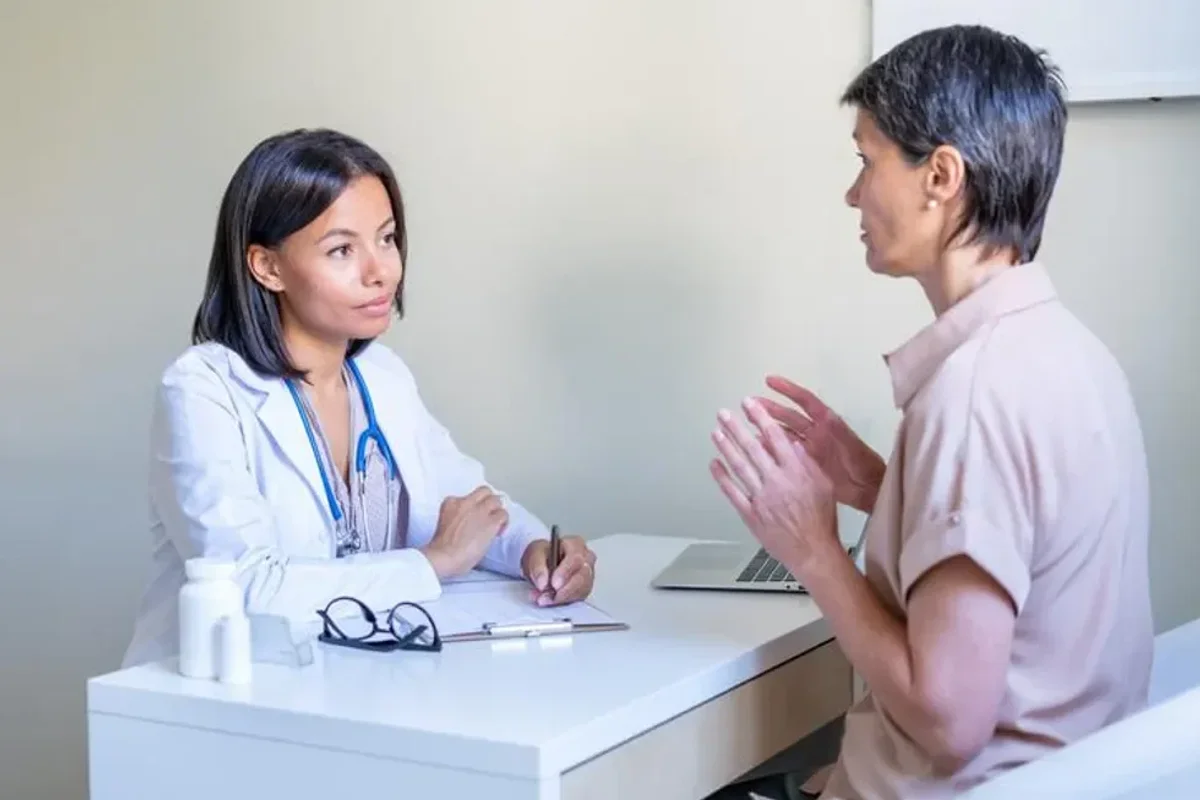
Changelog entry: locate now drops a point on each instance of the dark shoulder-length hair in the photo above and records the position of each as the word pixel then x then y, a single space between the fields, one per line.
pixel 998 101
pixel 286 182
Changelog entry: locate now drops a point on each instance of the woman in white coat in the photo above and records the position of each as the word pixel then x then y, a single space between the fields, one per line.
pixel 263 449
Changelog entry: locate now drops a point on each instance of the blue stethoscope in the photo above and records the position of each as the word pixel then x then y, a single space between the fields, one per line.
pixel 372 433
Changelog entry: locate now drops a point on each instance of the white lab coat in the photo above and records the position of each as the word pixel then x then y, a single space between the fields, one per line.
pixel 232 475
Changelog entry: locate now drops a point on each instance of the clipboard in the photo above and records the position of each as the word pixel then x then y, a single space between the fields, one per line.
pixel 501 609
pixel 530 630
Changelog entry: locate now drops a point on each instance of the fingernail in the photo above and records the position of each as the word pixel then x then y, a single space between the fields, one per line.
pixel 719 436
pixel 724 415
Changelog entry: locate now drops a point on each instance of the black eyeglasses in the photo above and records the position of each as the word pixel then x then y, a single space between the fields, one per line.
pixel 348 622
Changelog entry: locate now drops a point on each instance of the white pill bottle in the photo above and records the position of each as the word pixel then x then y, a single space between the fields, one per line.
pixel 209 595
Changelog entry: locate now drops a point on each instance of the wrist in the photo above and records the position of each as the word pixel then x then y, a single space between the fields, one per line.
pixel 438 561
pixel 824 552
pixel 868 486
pixel 830 567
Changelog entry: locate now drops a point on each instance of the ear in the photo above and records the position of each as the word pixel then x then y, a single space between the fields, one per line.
pixel 264 267
pixel 945 176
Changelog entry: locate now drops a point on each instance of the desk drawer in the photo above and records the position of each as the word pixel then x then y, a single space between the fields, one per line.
pixel 702 750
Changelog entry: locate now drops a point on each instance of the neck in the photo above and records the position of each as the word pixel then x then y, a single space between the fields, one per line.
pixel 321 359
pixel 961 271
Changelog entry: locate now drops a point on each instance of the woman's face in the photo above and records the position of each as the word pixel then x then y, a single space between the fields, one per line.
pixel 899 226
pixel 336 278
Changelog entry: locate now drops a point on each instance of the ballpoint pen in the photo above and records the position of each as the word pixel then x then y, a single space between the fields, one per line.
pixel 552 559
pixel 555 547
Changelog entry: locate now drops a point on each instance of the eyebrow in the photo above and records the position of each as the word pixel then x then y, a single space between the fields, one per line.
pixel 337 232
pixel 347 232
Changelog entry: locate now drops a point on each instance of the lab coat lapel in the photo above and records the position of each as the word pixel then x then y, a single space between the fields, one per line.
pixel 281 419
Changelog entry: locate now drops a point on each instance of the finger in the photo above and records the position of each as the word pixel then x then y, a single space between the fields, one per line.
pixel 729 487
pixel 489 507
pixel 539 567
pixel 479 495
pixel 571 563
pixel 773 433
pixel 812 405
pixel 576 587
pixel 787 416
pixel 735 463
pixel 573 579
pixel 757 456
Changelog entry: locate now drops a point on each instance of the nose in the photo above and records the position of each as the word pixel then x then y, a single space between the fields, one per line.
pixel 380 267
pixel 852 192
pixel 373 271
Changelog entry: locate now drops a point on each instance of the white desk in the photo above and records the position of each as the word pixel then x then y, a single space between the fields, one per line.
pixel 704 687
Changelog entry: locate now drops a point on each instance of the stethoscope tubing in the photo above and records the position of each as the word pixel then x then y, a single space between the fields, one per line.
pixel 372 432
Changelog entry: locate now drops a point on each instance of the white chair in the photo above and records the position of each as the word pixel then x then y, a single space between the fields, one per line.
pixel 1153 754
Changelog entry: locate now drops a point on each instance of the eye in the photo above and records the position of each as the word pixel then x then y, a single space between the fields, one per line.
pixel 861 157
pixel 341 251
pixel 389 239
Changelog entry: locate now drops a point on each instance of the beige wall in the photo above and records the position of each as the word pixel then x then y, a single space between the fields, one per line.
pixel 623 213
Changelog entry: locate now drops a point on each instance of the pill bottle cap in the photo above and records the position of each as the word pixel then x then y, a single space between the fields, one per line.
pixel 208 569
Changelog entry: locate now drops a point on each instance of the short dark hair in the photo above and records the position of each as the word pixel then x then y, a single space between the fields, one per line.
pixel 995 99
pixel 285 182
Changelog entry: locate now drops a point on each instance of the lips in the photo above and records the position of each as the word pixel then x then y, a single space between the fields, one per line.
pixel 378 308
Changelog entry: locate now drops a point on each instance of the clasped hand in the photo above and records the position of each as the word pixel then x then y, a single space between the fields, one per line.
pixel 785 478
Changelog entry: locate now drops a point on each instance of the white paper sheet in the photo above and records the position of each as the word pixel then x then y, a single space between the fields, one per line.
pixel 476 576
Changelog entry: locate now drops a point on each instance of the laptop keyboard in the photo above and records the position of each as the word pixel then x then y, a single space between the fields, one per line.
pixel 764 569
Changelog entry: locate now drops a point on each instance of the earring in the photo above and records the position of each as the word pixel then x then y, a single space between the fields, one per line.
pixel 931 204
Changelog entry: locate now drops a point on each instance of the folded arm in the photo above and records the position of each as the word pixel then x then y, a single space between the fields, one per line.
pixel 209 501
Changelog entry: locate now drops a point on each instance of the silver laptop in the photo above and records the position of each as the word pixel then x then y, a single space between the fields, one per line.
pixel 729 566
pixel 732 566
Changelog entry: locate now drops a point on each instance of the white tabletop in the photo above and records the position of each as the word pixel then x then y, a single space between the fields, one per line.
pixel 524 708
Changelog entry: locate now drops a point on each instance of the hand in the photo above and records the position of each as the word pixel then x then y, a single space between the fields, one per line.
pixel 573 578
pixel 778 489
pixel 466 527
pixel 854 469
